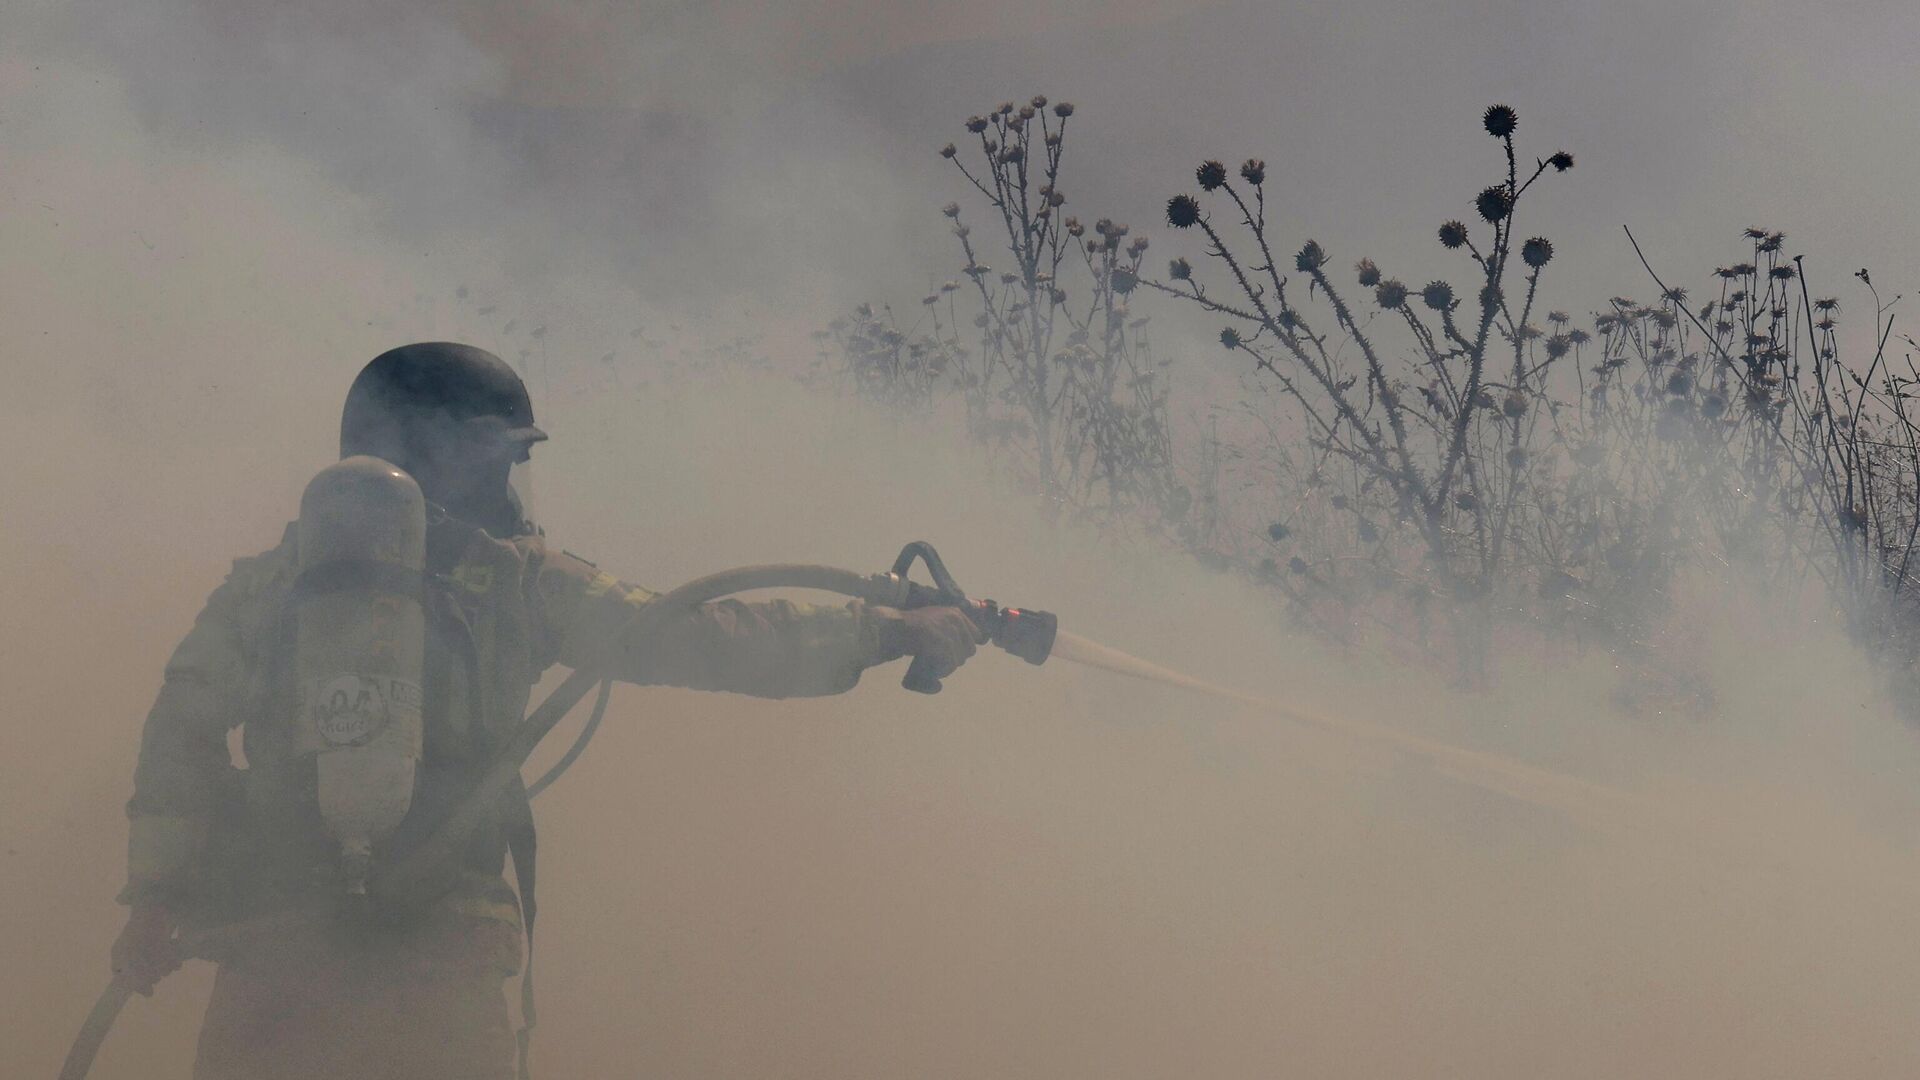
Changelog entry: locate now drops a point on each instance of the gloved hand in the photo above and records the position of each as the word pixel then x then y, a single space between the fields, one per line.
pixel 146 951
pixel 944 636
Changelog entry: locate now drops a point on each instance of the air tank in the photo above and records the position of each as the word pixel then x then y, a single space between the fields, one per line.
pixel 360 643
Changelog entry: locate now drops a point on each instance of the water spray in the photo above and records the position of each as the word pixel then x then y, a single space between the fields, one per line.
pixel 1035 636
pixel 1506 776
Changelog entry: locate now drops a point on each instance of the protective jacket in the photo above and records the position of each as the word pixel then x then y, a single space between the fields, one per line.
pixel 236 844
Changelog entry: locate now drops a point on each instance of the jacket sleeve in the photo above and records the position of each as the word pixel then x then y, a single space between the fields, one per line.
pixel 775 649
pixel 182 772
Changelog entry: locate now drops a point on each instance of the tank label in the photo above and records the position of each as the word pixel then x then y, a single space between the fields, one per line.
pixel 348 710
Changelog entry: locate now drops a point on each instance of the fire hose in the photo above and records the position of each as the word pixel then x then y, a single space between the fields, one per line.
pixel 405 884
pixel 1027 634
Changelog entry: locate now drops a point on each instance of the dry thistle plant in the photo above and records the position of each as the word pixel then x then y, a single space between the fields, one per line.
pixel 1057 375
pixel 1825 451
pixel 884 364
pixel 1421 446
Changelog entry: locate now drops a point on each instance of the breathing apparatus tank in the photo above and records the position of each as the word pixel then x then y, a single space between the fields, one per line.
pixel 360 649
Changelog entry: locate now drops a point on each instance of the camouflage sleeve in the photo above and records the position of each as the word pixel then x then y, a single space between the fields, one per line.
pixel 775 649
pixel 184 761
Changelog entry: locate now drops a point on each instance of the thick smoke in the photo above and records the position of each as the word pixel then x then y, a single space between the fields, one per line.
pixel 215 215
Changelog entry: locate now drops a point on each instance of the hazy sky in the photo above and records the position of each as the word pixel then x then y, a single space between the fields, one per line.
pixel 783 154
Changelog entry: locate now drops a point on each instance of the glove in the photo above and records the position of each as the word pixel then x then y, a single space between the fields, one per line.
pixel 943 636
pixel 146 951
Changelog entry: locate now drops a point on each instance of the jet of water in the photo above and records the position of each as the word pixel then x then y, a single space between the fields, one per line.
pixel 1515 779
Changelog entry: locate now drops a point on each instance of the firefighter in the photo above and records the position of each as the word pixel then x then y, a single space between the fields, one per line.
pixel 479 610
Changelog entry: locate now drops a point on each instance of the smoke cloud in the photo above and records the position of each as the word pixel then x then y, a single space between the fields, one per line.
pixel 216 212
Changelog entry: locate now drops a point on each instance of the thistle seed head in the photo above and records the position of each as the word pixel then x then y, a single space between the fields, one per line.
pixel 1494 203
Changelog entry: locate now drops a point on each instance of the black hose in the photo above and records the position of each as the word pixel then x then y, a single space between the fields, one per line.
pixel 580 741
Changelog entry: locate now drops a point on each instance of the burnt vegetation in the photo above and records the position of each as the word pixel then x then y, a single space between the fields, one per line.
pixel 1434 465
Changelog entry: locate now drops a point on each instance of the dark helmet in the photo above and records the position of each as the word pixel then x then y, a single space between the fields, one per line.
pixel 431 382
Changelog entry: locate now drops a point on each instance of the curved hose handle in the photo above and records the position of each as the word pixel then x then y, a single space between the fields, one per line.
pixel 921 677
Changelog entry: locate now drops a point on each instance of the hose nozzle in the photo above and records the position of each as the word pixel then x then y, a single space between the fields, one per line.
pixel 1025 633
